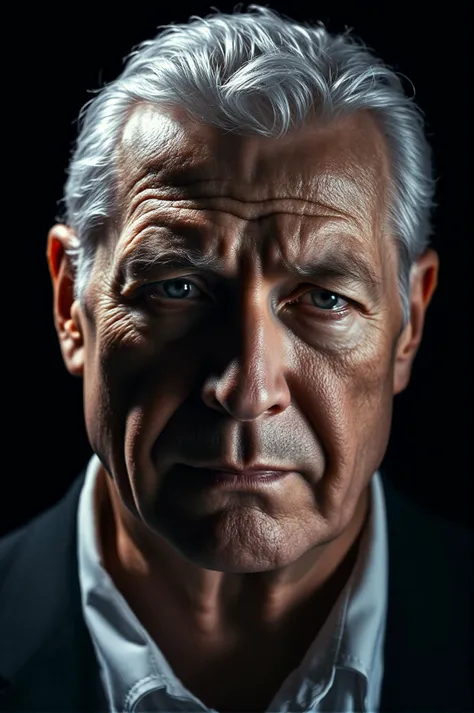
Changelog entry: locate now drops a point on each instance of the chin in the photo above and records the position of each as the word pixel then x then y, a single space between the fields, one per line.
pixel 240 542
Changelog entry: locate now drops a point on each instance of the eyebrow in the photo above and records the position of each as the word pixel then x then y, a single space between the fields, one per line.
pixel 336 264
pixel 148 258
pixel 339 264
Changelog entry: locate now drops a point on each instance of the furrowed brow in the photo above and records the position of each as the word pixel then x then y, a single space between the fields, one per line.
pixel 341 265
pixel 146 259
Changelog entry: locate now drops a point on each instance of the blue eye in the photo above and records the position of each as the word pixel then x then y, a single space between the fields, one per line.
pixel 178 289
pixel 324 299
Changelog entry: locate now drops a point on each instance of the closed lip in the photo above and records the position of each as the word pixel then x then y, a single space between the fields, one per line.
pixel 255 471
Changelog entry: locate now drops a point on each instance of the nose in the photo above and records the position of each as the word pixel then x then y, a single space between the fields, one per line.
pixel 252 381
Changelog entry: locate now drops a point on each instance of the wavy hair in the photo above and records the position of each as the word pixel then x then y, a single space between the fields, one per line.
pixel 252 72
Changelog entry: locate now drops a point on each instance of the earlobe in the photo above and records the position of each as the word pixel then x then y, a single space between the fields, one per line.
pixel 67 312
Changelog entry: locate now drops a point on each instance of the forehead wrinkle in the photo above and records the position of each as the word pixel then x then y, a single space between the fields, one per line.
pixel 322 182
pixel 180 226
pixel 181 160
pixel 244 210
pixel 294 239
pixel 174 233
pixel 305 253
pixel 336 193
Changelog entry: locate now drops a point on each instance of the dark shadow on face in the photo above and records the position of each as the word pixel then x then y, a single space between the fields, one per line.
pixel 248 316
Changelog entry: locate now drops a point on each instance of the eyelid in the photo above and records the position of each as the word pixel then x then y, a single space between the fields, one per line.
pixel 315 288
pixel 142 284
pixel 195 283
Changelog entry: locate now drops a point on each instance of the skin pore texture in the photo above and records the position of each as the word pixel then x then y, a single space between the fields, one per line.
pixel 200 344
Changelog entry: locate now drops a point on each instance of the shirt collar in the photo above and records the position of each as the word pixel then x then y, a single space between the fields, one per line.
pixel 352 637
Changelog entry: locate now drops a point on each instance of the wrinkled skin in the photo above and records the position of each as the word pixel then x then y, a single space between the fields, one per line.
pixel 240 362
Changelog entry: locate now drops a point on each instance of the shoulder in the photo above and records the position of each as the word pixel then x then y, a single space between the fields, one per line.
pixel 429 615
pixel 412 525
pixel 47 661
pixel 37 575
pixel 428 552
pixel 431 578
pixel 40 537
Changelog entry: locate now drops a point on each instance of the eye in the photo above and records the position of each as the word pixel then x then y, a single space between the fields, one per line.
pixel 322 299
pixel 327 300
pixel 178 289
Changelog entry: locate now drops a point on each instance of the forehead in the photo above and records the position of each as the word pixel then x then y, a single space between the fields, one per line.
pixel 339 164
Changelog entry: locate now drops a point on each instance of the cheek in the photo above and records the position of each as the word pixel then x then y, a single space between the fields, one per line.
pixel 134 384
pixel 368 398
pixel 347 400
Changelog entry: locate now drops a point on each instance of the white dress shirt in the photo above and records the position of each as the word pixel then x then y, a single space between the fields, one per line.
pixel 341 672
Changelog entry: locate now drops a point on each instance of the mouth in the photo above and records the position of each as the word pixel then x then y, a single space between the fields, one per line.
pixel 233 477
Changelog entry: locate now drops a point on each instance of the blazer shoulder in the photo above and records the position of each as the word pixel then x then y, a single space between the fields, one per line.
pixel 14 543
pixel 430 561
pixel 407 518
pixel 430 615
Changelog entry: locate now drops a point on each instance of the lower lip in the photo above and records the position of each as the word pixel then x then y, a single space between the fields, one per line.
pixel 230 479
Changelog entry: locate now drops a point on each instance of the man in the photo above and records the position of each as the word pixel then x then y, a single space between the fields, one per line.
pixel 241 280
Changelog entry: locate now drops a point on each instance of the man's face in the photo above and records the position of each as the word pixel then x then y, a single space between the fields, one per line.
pixel 238 360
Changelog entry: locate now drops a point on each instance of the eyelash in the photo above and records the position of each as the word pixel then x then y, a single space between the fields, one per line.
pixel 321 289
pixel 146 289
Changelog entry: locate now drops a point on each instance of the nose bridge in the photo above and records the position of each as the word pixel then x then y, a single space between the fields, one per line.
pixel 258 343
pixel 253 380
pixel 258 333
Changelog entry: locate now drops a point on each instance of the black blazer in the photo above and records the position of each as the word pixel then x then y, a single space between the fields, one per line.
pixel 47 662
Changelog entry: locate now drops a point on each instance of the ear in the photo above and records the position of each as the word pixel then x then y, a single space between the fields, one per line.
pixel 67 311
pixel 423 281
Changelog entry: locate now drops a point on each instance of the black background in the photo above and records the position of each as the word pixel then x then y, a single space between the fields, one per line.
pixel 51 59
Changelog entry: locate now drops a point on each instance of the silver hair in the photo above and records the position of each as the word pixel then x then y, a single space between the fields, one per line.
pixel 252 72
